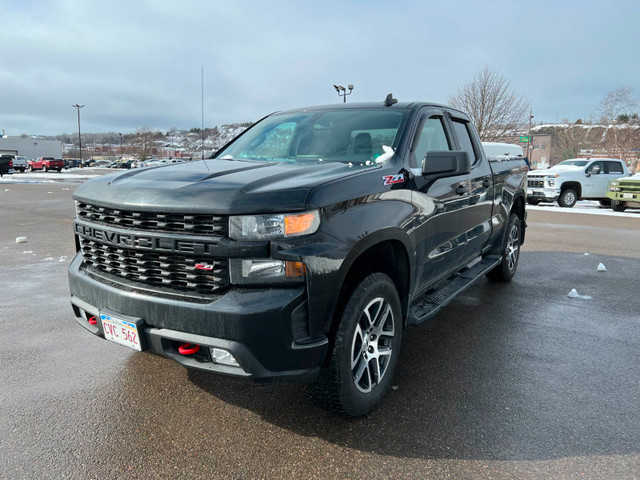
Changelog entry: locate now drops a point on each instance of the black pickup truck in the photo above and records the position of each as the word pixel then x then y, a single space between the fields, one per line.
pixel 303 249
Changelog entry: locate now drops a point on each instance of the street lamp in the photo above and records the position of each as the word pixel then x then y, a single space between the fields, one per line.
pixel 78 107
pixel 121 152
pixel 342 92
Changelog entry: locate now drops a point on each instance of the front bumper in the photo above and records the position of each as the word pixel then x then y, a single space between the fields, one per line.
pixel 543 194
pixel 255 325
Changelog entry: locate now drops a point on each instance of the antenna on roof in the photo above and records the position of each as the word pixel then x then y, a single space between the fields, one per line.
pixel 389 100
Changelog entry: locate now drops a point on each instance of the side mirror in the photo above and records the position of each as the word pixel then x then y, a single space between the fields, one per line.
pixel 447 163
pixel 595 170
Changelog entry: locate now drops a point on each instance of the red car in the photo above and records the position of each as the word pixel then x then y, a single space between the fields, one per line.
pixel 45 164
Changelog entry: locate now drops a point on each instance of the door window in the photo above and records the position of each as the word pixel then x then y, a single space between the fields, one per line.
pixel 431 138
pixel 614 167
pixel 596 171
pixel 462 132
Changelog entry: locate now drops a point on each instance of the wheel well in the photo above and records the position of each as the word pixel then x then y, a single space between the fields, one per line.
pixel 575 185
pixel 388 257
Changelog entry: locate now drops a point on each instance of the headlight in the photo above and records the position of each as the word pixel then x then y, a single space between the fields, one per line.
pixel 263 271
pixel 613 187
pixel 273 226
pixel 552 180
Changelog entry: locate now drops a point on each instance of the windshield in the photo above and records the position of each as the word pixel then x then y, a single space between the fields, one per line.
pixel 349 135
pixel 573 163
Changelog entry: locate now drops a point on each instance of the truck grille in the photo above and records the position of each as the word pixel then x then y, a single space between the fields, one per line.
pixel 154 222
pixel 173 271
pixel 535 183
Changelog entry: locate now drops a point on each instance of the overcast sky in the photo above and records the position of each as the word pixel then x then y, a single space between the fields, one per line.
pixel 137 63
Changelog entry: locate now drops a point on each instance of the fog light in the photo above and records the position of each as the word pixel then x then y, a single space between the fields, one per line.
pixel 223 357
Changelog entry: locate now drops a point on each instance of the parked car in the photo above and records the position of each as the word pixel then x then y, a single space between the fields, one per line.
pixel 625 193
pixel 20 163
pixel 45 164
pixel 574 179
pixel 71 163
pixel 303 249
pixel 6 163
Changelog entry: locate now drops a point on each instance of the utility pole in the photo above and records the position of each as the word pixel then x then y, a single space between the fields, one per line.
pixel 121 151
pixel 78 107
pixel 342 92
pixel 530 142
pixel 202 108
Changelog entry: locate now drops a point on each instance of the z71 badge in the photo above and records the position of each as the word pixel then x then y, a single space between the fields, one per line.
pixel 391 179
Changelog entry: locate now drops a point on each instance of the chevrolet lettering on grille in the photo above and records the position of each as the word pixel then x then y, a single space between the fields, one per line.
pixel 147 242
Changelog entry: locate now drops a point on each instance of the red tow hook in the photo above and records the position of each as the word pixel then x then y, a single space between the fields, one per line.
pixel 92 321
pixel 188 349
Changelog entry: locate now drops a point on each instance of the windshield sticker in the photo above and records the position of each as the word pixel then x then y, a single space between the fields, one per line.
pixel 391 179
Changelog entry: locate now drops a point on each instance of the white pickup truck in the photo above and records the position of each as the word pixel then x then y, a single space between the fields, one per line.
pixel 574 179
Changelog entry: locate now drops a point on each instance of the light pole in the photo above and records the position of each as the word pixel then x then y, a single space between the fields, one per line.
pixel 342 92
pixel 78 107
pixel 121 152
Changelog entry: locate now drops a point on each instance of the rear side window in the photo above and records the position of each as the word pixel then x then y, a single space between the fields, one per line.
pixel 614 167
pixel 462 132
pixel 431 138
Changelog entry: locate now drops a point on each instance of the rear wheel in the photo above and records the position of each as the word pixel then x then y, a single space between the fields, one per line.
pixel 568 198
pixel 618 206
pixel 366 350
pixel 506 270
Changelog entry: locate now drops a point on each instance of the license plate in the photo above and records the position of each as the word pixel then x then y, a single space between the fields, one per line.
pixel 627 195
pixel 529 192
pixel 119 330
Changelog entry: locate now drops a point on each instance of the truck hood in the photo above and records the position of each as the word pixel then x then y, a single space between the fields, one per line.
pixel 214 186
pixel 554 170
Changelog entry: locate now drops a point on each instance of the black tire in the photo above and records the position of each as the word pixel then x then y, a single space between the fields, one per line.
pixel 29 168
pixel 345 384
pixel 44 168
pixel 618 206
pixel 532 201
pixel 506 270
pixel 605 202
pixel 568 198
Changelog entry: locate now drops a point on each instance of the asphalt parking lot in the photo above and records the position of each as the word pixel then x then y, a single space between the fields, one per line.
pixel 508 381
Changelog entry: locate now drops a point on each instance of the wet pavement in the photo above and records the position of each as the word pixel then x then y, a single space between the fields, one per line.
pixel 508 381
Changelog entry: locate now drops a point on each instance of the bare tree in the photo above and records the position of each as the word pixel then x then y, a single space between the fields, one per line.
pixel 620 139
pixel 617 105
pixel 142 142
pixel 493 107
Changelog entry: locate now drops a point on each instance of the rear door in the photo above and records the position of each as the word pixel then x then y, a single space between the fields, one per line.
pixel 477 217
pixel 440 204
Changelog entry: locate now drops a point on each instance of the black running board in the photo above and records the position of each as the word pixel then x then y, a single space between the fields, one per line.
pixel 430 303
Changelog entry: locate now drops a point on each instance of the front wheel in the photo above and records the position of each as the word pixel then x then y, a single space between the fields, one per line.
pixel 506 269
pixel 618 206
pixel 605 202
pixel 44 169
pixel 366 350
pixel 568 198
pixel 30 168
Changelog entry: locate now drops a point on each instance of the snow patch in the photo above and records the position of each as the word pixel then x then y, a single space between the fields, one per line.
pixel 48 259
pixel 601 267
pixel 21 239
pixel 574 294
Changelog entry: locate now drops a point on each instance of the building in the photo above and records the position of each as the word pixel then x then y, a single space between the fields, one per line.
pixel 538 151
pixel 31 147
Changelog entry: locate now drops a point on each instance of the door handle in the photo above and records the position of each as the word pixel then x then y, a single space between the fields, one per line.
pixel 462 189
